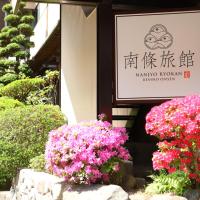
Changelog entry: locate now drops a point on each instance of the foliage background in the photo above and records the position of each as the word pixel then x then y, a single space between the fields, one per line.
pixel 23 135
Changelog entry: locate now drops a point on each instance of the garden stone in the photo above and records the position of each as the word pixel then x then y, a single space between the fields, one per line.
pixel 139 195
pixel 96 192
pixel 32 194
pixel 140 182
pixel 38 196
pixel 48 187
pixel 28 184
pixel 4 195
pixel 128 183
pixel 14 197
pixel 48 196
pixel 125 178
pixel 192 194
pixel 42 187
pixel 166 197
pixel 57 190
pixel 34 185
pixel 17 196
pixel 24 197
pixel 128 179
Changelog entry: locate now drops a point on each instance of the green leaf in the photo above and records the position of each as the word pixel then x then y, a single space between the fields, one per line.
pixel 176 183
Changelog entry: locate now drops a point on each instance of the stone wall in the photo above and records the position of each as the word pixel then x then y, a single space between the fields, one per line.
pixel 33 185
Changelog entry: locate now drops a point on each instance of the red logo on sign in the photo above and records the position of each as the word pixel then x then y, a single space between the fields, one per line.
pixel 186 74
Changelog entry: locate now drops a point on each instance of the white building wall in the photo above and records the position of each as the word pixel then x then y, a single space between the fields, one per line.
pixel 48 19
pixel 78 64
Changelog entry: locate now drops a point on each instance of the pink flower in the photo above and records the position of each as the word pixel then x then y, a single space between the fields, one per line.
pixel 80 153
pixel 177 124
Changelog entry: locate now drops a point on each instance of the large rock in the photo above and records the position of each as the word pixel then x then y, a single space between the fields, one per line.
pixel 96 192
pixel 5 195
pixel 139 195
pixel 34 185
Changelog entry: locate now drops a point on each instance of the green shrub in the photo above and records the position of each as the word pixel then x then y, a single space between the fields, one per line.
pixel 11 157
pixel 15 38
pixel 177 183
pixel 5 29
pixel 7 78
pixel 3 51
pixel 28 19
pixel 48 94
pixel 13 47
pixel 4 63
pixel 1 85
pixel 6 103
pixel 25 131
pixel 52 77
pixel 40 97
pixel 20 39
pixel 25 29
pixel 7 8
pixel 4 36
pixel 38 163
pixel 12 19
pixel 12 31
pixel 22 54
pixel 25 70
pixel 20 89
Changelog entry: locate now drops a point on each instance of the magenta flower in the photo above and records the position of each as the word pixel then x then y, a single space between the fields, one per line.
pixel 86 153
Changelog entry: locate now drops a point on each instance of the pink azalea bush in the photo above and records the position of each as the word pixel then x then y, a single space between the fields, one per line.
pixel 177 124
pixel 86 153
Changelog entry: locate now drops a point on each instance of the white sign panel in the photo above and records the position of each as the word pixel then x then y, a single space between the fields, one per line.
pixel 157 55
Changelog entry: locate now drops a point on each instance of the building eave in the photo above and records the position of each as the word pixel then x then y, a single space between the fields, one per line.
pixel 50 48
pixel 15 3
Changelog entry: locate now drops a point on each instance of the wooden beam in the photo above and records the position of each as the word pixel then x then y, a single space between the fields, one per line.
pixel 15 3
pixel 104 58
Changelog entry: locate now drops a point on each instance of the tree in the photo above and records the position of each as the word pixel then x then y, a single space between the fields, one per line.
pixel 15 44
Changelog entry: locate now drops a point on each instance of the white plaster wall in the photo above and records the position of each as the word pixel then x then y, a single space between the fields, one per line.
pixel 78 64
pixel 14 4
pixel 49 17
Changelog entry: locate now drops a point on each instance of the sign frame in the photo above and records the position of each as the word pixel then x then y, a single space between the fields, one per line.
pixel 141 100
